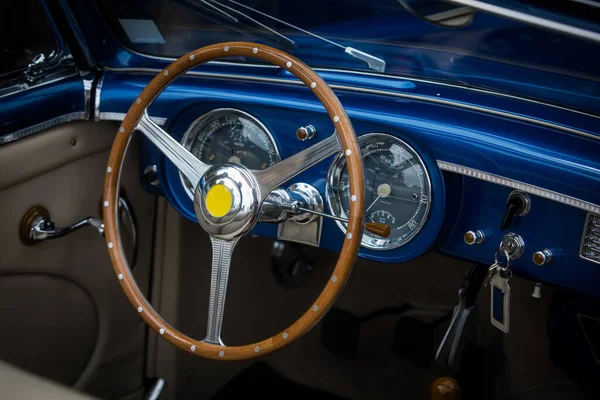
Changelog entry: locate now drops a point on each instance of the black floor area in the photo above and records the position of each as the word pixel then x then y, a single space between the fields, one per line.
pixel 263 381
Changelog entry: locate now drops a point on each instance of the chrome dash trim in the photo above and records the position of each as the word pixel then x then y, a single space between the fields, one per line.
pixel 469 107
pixel 11 137
pixel 388 93
pixel 524 187
pixel 98 97
pixel 114 116
pixel 88 84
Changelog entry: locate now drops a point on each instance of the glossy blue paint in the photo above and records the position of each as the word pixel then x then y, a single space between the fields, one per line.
pixel 523 151
pixel 527 152
pixel 492 52
pixel 40 104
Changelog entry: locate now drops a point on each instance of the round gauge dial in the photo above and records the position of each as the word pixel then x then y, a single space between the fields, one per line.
pixel 397 189
pixel 227 135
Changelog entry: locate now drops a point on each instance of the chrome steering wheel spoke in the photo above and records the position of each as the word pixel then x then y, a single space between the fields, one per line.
pixel 221 260
pixel 276 175
pixel 186 162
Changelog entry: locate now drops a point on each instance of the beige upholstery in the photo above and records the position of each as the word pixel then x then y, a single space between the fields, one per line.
pixel 63 313
pixel 16 384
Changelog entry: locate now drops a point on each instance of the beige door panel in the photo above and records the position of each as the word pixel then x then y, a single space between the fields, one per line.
pixel 62 169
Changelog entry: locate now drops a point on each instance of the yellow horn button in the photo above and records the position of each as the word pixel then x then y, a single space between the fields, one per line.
pixel 218 200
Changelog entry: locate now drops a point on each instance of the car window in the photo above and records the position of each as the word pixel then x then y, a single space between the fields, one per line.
pixel 25 33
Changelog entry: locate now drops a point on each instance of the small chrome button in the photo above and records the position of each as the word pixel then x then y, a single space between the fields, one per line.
pixel 542 257
pixel 474 237
pixel 306 132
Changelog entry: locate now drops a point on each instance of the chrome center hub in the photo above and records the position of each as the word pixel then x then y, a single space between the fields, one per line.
pixel 227 201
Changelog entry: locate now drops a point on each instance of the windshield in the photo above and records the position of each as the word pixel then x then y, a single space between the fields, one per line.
pixel 377 36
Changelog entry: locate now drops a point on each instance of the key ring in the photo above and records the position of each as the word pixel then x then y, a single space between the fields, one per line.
pixel 506 255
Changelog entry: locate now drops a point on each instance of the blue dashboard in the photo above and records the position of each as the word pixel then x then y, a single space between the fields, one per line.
pixel 477 147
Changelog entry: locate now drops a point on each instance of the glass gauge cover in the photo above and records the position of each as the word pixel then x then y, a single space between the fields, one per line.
pixel 397 189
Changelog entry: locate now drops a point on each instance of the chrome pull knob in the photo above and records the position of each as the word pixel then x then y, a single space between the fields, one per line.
pixel 542 257
pixel 474 237
pixel 306 132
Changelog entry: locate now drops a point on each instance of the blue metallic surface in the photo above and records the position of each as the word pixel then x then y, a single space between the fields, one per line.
pixel 527 152
pixel 492 53
pixel 26 108
pixel 548 225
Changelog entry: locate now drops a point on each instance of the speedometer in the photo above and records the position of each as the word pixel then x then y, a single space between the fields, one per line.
pixel 397 189
pixel 227 135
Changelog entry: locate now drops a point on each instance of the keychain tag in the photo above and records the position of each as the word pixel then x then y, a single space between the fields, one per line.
pixel 500 303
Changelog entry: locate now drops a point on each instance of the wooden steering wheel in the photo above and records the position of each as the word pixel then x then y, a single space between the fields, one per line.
pixel 228 198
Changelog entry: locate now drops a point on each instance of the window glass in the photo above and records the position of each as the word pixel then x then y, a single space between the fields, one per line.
pixel 409 38
pixel 25 33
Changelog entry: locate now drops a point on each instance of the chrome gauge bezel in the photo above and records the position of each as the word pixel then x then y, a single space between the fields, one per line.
pixel 206 117
pixel 335 205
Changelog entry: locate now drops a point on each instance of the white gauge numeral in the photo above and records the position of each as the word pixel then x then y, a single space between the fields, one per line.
pixel 424 199
pixel 412 224
pixel 418 169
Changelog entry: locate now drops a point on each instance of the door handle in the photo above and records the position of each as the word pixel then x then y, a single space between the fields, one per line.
pixel 37 226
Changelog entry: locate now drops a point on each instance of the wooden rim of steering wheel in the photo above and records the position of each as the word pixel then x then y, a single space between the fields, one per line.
pixel 349 146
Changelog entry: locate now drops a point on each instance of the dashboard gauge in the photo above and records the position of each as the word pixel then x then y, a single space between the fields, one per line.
pixel 227 135
pixel 397 189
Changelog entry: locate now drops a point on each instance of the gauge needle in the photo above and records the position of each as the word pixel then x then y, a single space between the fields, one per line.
pixel 233 128
pixel 372 204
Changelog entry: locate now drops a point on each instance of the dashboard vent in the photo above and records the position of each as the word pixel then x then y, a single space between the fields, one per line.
pixel 590 242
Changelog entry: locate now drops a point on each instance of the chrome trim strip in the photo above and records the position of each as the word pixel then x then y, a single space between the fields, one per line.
pixel 455 86
pixel 351 72
pixel 11 137
pixel 469 107
pixel 98 97
pixel 390 94
pixel 531 19
pixel 524 187
pixel 113 116
pixel 88 84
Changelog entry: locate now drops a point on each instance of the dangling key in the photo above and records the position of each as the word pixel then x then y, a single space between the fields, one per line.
pixel 493 270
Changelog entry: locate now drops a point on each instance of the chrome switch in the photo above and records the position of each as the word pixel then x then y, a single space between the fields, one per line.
pixel 542 257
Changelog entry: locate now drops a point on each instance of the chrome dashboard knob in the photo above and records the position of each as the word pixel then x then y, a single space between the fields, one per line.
pixel 542 257
pixel 474 237
pixel 306 132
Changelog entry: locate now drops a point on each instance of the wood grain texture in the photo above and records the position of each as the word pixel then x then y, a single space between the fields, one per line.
pixel 351 245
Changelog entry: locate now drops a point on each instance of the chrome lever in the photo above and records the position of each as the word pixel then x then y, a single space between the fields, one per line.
pixel 375 228
pixel 37 226
pixel 43 228
pixel 280 204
